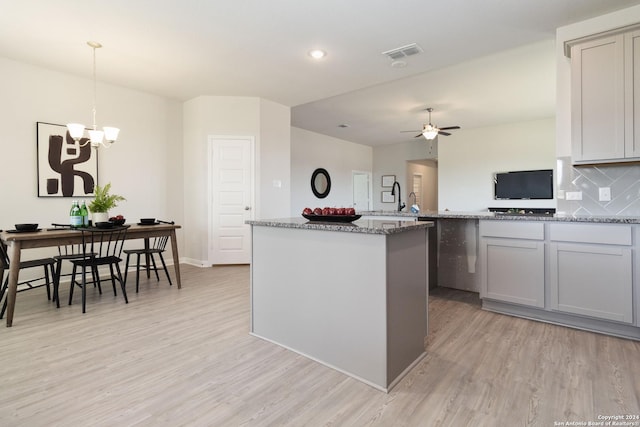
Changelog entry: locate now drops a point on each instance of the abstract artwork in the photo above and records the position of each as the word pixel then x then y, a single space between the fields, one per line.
pixel 65 169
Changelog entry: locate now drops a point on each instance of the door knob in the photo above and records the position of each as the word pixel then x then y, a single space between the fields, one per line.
pixel 247 208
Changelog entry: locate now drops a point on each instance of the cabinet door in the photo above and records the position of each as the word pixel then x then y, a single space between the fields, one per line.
pixel 513 271
pixel 592 280
pixel 597 98
pixel 632 92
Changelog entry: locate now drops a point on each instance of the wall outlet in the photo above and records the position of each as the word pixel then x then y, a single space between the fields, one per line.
pixel 573 195
pixel 605 194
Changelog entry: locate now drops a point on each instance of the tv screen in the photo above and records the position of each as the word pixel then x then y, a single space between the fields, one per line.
pixel 536 184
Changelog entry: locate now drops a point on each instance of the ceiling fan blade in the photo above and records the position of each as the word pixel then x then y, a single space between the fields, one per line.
pixel 444 133
pixel 450 127
pixel 418 135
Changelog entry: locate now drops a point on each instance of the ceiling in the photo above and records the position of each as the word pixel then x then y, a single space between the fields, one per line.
pixel 470 71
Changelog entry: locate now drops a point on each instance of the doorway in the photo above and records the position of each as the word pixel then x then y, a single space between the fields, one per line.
pixel 231 199
pixel 422 179
pixel 362 190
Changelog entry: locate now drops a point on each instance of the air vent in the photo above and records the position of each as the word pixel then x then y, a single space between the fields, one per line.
pixel 404 51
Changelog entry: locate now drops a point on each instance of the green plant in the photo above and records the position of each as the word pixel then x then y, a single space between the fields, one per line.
pixel 104 201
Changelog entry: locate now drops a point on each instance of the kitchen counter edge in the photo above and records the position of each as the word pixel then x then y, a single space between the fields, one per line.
pixel 365 226
pixel 433 215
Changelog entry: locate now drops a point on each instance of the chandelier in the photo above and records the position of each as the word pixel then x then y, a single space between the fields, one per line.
pixel 97 138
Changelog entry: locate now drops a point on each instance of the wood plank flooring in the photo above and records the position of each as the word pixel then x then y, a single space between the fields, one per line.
pixel 183 357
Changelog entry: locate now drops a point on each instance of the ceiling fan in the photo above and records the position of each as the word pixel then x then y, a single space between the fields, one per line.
pixel 430 131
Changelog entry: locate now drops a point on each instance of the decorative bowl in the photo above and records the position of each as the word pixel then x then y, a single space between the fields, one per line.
pixel 118 221
pixel 104 224
pixel 26 227
pixel 332 218
pixel 147 221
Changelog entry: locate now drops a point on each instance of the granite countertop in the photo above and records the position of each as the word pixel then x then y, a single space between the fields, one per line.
pixel 366 226
pixel 429 215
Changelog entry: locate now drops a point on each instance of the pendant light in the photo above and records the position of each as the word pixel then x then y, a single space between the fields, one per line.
pixel 106 136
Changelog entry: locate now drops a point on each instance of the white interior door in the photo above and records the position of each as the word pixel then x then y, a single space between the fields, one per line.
pixel 232 199
pixel 362 190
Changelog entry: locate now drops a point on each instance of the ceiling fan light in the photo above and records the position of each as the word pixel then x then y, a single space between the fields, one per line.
pixel 76 130
pixel 430 134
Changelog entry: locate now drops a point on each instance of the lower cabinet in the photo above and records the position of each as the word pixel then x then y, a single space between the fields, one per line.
pixel 513 262
pixel 590 271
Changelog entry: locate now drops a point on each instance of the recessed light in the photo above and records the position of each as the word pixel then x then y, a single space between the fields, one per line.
pixel 343 125
pixel 317 54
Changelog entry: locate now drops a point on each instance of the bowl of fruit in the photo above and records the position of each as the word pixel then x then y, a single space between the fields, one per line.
pixel 329 214
pixel 117 220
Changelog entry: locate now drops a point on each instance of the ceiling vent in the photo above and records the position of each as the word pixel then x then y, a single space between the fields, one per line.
pixel 404 51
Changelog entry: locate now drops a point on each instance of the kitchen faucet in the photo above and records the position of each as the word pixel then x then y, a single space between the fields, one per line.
pixel 393 192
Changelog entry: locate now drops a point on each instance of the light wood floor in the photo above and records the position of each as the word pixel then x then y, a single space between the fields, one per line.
pixel 184 358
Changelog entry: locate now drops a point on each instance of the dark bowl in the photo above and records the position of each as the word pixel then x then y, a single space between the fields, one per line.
pixel 117 221
pixel 104 224
pixel 147 220
pixel 26 227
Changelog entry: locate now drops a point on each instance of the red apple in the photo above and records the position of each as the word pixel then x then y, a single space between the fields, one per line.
pixel 317 211
pixel 340 211
pixel 307 211
pixel 349 211
pixel 325 211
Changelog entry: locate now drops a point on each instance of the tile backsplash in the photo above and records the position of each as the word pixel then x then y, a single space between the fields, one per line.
pixel 622 179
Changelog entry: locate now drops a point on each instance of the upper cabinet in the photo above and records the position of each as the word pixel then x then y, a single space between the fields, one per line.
pixel 605 123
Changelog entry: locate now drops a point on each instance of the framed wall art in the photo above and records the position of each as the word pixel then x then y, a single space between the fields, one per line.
pixel 387 197
pixel 388 180
pixel 65 168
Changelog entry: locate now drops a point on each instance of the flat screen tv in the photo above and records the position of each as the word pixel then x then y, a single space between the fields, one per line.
pixel 536 184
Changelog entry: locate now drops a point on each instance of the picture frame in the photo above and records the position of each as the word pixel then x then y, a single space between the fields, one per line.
pixel 388 180
pixel 387 197
pixel 65 168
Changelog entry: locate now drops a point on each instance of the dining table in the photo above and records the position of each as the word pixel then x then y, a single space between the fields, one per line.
pixel 53 237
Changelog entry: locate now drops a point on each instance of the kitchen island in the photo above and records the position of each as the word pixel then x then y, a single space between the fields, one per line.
pixel 352 296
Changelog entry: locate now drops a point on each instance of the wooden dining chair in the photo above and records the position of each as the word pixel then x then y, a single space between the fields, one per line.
pixel 46 280
pixel 100 248
pixel 156 247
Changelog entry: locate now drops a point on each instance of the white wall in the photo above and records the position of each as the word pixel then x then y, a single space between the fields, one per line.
pixel 309 151
pixel 468 159
pixel 588 27
pixel 144 165
pixel 275 160
pixel 268 123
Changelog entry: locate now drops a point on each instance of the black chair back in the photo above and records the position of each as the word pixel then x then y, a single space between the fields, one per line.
pixel 103 243
pixel 160 243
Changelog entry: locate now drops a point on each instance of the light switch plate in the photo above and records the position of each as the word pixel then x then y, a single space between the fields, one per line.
pixel 573 195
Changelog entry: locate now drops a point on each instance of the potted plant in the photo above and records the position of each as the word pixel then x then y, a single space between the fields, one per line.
pixel 103 202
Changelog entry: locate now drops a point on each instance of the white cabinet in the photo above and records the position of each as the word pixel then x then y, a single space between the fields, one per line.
pixel 597 99
pixel 604 73
pixel 512 254
pixel 632 99
pixel 590 269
